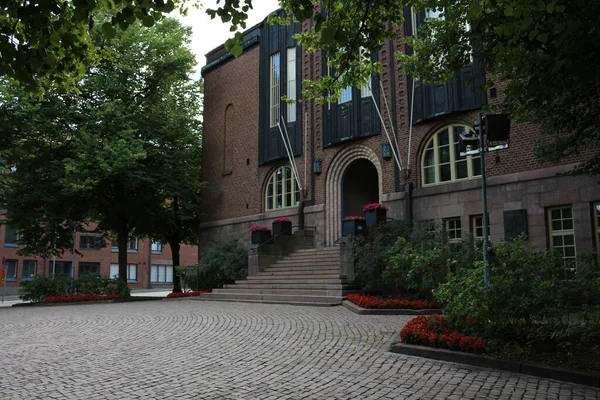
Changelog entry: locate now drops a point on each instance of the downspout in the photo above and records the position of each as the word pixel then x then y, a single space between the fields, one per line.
pixel 394 105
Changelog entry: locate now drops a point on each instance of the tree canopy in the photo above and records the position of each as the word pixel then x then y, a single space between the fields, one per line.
pixel 50 39
pixel 546 54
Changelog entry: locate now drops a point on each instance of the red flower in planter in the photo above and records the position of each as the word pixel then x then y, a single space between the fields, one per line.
pixel 257 227
pixel 353 217
pixel 368 301
pixel 282 219
pixel 374 206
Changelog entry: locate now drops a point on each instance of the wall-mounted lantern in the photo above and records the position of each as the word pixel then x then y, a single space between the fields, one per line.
pixel 317 167
pixel 386 151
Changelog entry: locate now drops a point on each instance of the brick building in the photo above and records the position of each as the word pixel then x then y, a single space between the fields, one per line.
pixel 149 264
pixel 342 152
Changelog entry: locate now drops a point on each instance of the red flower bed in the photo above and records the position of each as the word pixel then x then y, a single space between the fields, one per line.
pixel 433 331
pixel 187 294
pixel 80 297
pixel 368 301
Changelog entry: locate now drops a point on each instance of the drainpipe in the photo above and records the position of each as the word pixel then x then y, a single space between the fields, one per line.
pixel 408 204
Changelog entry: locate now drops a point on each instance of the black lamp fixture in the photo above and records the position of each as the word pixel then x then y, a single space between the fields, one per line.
pixel 317 167
pixel 386 151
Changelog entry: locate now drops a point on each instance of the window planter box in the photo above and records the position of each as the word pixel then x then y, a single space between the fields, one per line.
pixel 282 228
pixel 353 227
pixel 374 217
pixel 260 237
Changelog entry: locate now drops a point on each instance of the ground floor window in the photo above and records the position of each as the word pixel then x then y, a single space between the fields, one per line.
pixel 61 268
pixel 11 270
pixel 86 268
pixel 29 269
pixel 477 226
pixel 131 272
pixel 562 235
pixel 162 274
pixel 453 228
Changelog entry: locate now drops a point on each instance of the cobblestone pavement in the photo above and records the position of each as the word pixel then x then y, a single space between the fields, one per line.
pixel 209 350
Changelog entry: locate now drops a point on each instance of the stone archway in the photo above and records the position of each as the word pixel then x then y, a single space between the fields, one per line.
pixel 333 188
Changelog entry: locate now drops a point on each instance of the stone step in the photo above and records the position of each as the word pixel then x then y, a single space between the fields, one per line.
pixel 306 263
pixel 282 298
pixel 291 303
pixel 294 276
pixel 287 292
pixel 299 284
pixel 321 250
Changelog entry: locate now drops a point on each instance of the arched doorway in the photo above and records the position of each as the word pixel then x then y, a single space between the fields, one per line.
pixel 360 186
pixel 334 182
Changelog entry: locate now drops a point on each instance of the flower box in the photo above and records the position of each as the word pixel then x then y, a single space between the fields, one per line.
pixel 282 226
pixel 353 226
pixel 260 236
pixel 375 213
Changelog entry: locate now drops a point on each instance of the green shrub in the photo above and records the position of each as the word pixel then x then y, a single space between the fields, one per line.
pixel 95 284
pixel 40 287
pixel 220 265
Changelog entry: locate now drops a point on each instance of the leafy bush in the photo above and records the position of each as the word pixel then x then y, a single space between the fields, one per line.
pixel 95 284
pixel 220 265
pixel 42 287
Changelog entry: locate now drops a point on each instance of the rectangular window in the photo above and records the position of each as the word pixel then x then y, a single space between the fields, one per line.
pixel 365 90
pixel 11 270
pixel 131 272
pixel 132 245
pixel 157 248
pixel 11 237
pixel 90 240
pixel 162 274
pixel 29 269
pixel 86 268
pixel 274 95
pixel 291 83
pixel 562 235
pixel 346 95
pixel 477 226
pixel 453 229
pixel 61 268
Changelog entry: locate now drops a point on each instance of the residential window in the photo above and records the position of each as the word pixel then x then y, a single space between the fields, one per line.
pixel 11 270
pixel 279 190
pixel 477 226
pixel 62 268
pixel 11 237
pixel 597 226
pixel 86 268
pixel 161 274
pixel 291 84
pixel 90 240
pixel 275 94
pixel 131 272
pixel 29 269
pixel 132 245
pixel 346 95
pixel 562 235
pixel 156 247
pixel 453 229
pixel 442 161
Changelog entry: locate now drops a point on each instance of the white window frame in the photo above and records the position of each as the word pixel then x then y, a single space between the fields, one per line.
pixel 156 247
pixel 274 194
pixel 346 95
pixel 454 158
pixel 563 232
pixel 274 89
pixel 131 272
pixel 477 226
pixel 155 274
pixel 291 84
pixel 7 243
pixel 453 228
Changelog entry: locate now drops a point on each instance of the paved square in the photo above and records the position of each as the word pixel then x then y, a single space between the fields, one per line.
pixel 210 350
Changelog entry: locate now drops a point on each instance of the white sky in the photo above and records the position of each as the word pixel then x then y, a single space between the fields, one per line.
pixel 209 34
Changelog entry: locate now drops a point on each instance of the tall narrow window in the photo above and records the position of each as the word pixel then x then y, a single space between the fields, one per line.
pixel 29 269
pixel 275 95
pixel 229 139
pixel 365 89
pixel 346 95
pixel 11 270
pixel 477 226
pixel 279 190
pixel 131 272
pixel 597 226
pixel 291 84
pixel 562 235
pixel 11 238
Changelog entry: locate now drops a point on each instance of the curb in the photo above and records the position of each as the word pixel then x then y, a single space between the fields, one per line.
pixel 72 303
pixel 376 311
pixel 582 378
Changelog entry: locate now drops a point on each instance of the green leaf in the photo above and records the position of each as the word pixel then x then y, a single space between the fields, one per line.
pixel 108 30
pixel 169 6
pixel 148 21
pixel 328 34
pixel 55 39
pixel 508 11
pixel 236 50
pixel 542 37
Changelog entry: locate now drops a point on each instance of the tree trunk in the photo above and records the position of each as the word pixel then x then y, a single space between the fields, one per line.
pixel 175 247
pixel 122 239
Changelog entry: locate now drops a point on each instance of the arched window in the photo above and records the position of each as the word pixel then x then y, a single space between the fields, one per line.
pixel 442 161
pixel 279 190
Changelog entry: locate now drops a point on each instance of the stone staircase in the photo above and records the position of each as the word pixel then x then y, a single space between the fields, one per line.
pixel 305 277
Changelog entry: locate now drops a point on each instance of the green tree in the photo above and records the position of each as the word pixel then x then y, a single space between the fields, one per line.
pixel 51 38
pixel 545 53
pixel 107 146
